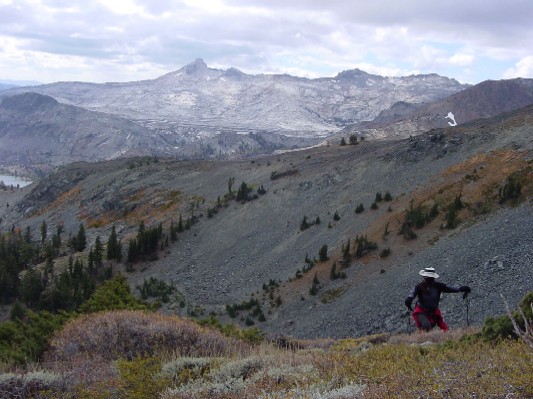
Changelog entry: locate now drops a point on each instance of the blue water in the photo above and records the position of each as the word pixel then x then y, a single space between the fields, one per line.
pixel 13 180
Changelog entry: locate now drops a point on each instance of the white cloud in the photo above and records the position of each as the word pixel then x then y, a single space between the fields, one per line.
pixel 522 69
pixel 462 59
pixel 308 37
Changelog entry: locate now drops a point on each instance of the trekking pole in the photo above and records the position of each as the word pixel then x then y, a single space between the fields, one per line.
pixel 465 298
pixel 408 322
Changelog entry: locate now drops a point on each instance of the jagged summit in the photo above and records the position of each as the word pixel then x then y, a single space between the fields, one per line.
pixel 355 74
pixel 195 67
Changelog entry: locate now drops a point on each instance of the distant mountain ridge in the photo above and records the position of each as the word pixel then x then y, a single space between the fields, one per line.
pixel 208 98
pixel 37 129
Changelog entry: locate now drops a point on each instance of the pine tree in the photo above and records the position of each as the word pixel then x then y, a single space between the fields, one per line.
pixel 90 263
pixel 27 235
pixel 112 244
pixel 346 256
pixel 119 252
pixel 333 273
pixel 81 239
pixel 343 141
pixel 323 253
pixel 242 193
pixel 304 225
pixel 132 251
pixel 98 252
pixel 180 224
pixel 173 232
pixel 43 231
pixel 314 286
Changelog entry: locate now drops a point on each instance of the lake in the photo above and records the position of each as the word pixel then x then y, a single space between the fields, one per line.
pixel 13 180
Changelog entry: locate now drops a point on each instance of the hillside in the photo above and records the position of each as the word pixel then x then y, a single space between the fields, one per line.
pixel 37 130
pixel 483 100
pixel 236 248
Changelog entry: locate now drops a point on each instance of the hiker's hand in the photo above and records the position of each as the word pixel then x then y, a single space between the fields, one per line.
pixel 408 303
pixel 466 289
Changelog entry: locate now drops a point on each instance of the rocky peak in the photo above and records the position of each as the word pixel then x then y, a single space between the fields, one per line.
pixel 198 66
pixel 354 75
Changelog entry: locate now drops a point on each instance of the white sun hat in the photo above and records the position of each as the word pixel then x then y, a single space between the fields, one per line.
pixel 428 272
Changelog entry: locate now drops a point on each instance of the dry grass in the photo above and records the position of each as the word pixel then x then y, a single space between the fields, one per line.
pixel 141 355
pixel 132 334
pixel 70 196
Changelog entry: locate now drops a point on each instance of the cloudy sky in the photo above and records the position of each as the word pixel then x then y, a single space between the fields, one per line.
pixel 125 40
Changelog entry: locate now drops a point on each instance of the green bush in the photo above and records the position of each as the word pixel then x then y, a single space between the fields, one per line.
pixel 497 328
pixel 23 341
pixel 114 294
pixel 141 378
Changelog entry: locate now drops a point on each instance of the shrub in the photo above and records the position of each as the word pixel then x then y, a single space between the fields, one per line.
pixel 364 245
pixel 154 288
pixel 36 384
pixel 141 378
pixel 23 341
pixel 186 369
pixel 278 175
pixel 511 189
pixel 385 252
pixel 374 206
pixel 114 294
pixel 304 225
pixel 497 328
pixel 343 141
pixel 336 216
pixel 131 334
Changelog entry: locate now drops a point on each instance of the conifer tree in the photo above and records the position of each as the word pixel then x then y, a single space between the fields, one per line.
pixel 119 252
pixel 180 224
pixel 81 239
pixel 112 244
pixel 27 235
pixel 304 225
pixel 98 252
pixel 346 256
pixel 173 232
pixel 242 193
pixel 323 253
pixel 333 272
pixel 43 231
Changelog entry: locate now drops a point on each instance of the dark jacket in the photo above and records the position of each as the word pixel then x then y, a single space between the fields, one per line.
pixel 429 294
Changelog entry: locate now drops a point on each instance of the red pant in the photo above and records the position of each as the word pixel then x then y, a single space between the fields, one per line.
pixel 434 318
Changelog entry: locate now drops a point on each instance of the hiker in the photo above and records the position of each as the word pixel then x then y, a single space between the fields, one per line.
pixel 426 313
